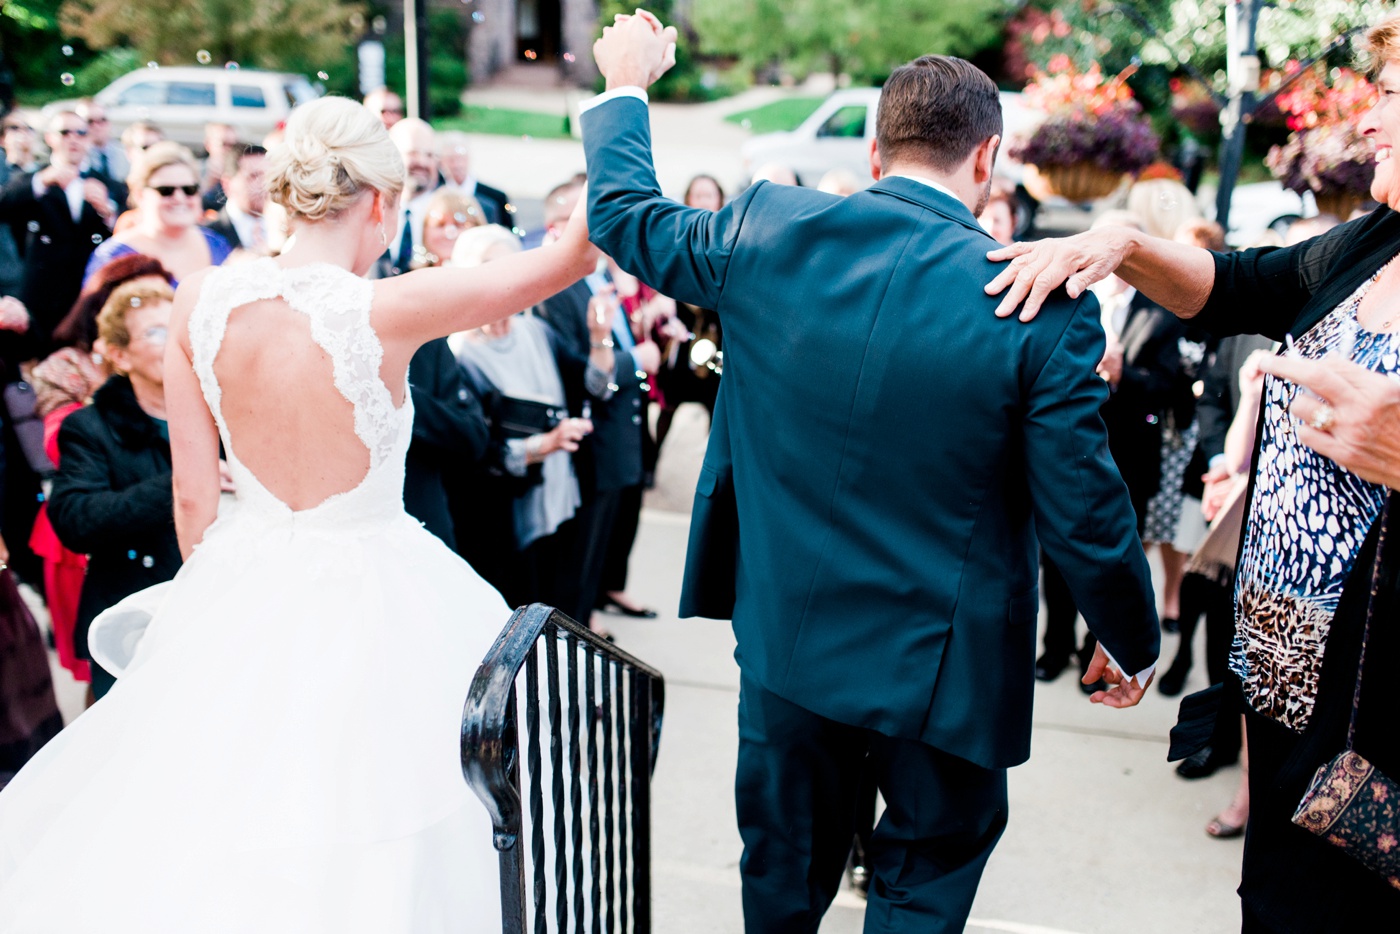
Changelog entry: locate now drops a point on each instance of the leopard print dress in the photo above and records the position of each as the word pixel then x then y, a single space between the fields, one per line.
pixel 1307 520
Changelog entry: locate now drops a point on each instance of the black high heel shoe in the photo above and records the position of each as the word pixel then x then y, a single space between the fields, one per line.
pixel 1173 680
pixel 609 605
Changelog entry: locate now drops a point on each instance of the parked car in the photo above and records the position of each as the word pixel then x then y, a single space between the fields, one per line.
pixel 181 100
pixel 838 133
pixel 1260 206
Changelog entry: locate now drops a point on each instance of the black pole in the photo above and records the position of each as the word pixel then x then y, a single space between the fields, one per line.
pixel 420 11
pixel 1237 114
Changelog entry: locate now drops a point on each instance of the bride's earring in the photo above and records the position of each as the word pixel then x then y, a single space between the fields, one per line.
pixel 383 237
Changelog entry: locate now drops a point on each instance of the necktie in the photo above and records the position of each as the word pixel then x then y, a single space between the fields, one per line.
pixel 406 242
pixel 102 164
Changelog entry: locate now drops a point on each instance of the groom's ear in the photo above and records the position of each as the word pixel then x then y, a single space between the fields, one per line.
pixel 985 159
pixel 876 170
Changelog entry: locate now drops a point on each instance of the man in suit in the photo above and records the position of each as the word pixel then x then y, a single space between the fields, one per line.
pixel 106 160
pixel 609 461
pixel 455 159
pixel 883 455
pixel 59 218
pixel 240 221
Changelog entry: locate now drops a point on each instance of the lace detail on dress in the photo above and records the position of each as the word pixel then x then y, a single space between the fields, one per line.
pixel 337 304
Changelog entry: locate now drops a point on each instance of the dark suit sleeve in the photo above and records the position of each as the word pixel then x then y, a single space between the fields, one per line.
pixel 447 416
pixel 679 251
pixel 17 201
pixel 87 514
pixel 1152 376
pixel 1084 518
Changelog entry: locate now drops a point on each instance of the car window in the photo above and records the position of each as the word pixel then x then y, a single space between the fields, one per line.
pixel 847 123
pixel 190 94
pixel 247 95
pixel 299 91
pixel 144 92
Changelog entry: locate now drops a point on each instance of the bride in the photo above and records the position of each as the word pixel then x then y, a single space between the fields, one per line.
pixel 280 755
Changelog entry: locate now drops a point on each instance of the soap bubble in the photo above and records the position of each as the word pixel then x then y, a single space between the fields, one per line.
pixel 97 238
pixel 153 64
pixel 32 226
pixel 231 66
pixel 569 57
pixel 478 17
pixel 67 79
pixel 323 76
pixel 203 57
pixel 68 50
pixel 45 239
pixel 531 54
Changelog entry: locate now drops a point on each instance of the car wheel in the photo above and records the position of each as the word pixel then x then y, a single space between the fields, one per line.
pixel 1280 225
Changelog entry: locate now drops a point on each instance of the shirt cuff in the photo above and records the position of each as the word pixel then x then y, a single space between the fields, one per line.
pixel 630 90
pixel 1141 677
pixel 515 462
pixel 38 186
pixel 598 384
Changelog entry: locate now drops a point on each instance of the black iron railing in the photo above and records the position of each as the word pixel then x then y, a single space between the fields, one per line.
pixel 583 809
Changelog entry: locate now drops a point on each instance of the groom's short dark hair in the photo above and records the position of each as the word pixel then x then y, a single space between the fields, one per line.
pixel 935 111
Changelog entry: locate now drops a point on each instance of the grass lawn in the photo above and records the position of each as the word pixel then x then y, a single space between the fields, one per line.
pixel 785 114
pixel 503 122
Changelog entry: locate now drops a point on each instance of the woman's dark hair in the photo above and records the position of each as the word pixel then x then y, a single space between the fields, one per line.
pixel 685 199
pixel 79 327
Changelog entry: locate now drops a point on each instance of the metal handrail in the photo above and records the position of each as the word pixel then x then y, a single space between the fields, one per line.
pixel 615 698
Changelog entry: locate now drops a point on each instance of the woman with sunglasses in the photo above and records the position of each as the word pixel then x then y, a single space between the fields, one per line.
pixel 164 185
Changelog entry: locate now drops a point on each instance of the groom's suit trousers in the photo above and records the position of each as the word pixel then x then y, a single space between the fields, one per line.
pixel 796 794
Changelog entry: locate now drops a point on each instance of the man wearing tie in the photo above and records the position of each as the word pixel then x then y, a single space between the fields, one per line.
pixel 106 159
pixel 240 221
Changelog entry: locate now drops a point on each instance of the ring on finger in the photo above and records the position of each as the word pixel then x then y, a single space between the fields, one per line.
pixel 1324 418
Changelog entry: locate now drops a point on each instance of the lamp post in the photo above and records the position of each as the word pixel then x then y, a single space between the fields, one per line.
pixel 415 57
pixel 1242 51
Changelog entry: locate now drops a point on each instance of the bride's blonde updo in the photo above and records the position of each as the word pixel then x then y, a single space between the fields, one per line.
pixel 333 151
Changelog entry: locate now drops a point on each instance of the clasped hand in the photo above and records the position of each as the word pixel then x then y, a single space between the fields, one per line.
pixel 635 51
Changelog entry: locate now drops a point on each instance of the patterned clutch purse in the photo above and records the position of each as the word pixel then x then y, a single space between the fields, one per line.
pixel 1350 804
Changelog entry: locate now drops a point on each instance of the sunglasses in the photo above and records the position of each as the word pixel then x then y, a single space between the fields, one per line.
pixel 168 191
pixel 392 110
pixel 72 132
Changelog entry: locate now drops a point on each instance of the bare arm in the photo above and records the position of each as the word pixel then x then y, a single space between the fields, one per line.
pixel 194 438
pixel 429 303
pixel 1176 276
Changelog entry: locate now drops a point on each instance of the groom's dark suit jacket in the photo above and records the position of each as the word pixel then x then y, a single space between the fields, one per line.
pixel 884 451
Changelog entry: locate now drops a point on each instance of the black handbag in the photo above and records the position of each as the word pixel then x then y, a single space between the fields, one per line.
pixel 521 418
pixel 1349 803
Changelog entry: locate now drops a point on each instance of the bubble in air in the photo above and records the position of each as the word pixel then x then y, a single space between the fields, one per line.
pixel 203 57
pixel 45 239
pixel 527 137
pixel 32 226
pixel 231 66
pixel 569 57
pixel 97 238
pixel 478 17
pixel 67 79
pixel 68 50
pixel 531 54
pixel 153 64
pixel 136 301
pixel 323 76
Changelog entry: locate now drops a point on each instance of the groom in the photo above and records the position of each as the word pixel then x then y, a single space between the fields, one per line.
pixel 884 453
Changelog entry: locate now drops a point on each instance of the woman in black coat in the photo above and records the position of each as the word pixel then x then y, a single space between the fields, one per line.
pixel 112 496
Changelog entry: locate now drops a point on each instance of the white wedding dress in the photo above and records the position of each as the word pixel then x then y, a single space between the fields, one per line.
pixel 281 754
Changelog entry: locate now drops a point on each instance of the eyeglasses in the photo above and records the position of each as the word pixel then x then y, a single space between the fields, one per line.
pixel 156 334
pixel 72 132
pixel 168 191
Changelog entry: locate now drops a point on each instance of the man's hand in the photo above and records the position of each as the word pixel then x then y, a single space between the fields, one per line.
pixel 1039 268
pixel 602 310
pixel 1355 420
pixel 1122 692
pixel 648 356
pixel 13 315
pixel 58 176
pixel 635 51
pixel 1111 366
pixel 95 193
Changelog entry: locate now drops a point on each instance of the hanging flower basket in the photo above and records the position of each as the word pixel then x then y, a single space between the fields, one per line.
pixel 1325 152
pixel 1081 181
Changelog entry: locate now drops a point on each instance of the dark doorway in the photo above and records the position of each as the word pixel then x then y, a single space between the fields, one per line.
pixel 539 30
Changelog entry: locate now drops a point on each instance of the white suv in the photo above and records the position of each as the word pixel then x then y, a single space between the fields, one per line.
pixel 181 100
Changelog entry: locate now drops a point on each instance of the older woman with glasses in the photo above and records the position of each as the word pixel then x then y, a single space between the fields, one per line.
pixel 165 192
pixel 112 497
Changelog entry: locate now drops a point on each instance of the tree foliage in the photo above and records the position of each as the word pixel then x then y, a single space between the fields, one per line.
pixel 298 35
pixel 866 39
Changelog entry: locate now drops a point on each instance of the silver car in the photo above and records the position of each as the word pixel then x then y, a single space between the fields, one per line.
pixel 181 100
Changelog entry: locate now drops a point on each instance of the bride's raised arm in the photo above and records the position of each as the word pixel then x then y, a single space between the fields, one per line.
pixel 428 303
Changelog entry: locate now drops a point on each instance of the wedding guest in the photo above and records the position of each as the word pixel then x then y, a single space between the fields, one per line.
pixel 165 191
pixel 454 159
pixel 417 144
pixel 998 218
pixel 105 154
pixel 704 191
pixel 447 214
pixel 523 498
pixel 1317 505
pixel 64 217
pixel 79 327
pixel 386 105
pixel 63 383
pixel 29 715
pixel 111 498
pixel 841 182
pixel 1161 201
pixel 240 220
pixel 219 140
pixel 18 140
pixel 137 138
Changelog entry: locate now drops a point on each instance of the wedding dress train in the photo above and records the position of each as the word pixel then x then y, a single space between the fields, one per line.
pixel 281 755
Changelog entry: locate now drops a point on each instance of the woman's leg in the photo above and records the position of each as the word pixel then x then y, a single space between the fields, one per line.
pixel 1173 568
